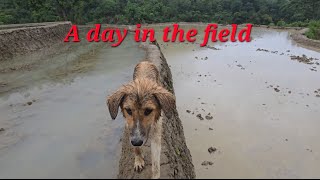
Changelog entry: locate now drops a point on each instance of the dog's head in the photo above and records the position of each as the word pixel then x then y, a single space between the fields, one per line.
pixel 141 102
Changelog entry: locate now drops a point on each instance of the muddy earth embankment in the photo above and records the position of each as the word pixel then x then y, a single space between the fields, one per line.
pixel 21 39
pixel 300 37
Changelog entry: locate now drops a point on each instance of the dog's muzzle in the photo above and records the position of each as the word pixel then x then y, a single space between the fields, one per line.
pixel 137 135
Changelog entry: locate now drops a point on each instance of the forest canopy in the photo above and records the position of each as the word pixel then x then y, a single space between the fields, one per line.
pixel 274 12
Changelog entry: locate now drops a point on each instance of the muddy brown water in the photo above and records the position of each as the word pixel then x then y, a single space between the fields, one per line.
pixel 66 132
pixel 258 132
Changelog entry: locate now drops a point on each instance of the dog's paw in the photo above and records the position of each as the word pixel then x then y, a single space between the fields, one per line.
pixel 138 163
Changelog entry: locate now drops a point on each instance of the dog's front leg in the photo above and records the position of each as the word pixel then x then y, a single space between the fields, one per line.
pixel 138 159
pixel 156 149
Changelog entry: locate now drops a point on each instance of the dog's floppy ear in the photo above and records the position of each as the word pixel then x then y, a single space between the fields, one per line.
pixel 166 100
pixel 114 102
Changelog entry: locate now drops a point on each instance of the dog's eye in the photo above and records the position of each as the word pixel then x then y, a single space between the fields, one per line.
pixel 129 111
pixel 147 112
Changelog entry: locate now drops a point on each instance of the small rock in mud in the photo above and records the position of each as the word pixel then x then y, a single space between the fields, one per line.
pixel 276 89
pixel 29 103
pixel 198 81
pixel 263 104
pixel 286 139
pixel 196 57
pixel 199 117
pixel 188 111
pixel 210 129
pixel 206 58
pixel 289 92
pixel 206 163
pixel 240 66
pixel 34 100
pixel 310 150
pixel 203 103
pixel 209 117
pixel 212 150
pixel 288 50
pixel 1 129
pixel 259 49
pixel 2 84
pixel 318 95
pixel 303 59
pixel 213 48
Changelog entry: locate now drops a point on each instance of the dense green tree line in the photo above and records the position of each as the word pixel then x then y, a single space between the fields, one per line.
pixel 278 12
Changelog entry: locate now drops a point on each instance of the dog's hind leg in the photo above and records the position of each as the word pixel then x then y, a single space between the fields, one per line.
pixel 138 159
pixel 156 149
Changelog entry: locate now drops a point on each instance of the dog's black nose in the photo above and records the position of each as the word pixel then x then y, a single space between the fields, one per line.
pixel 136 142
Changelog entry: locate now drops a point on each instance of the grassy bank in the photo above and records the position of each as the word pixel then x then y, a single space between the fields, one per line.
pixel 314 30
pixel 312 33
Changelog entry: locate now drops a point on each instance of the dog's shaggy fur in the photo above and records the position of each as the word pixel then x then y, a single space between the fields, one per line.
pixel 142 101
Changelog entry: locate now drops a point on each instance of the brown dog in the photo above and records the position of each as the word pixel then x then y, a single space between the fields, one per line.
pixel 141 102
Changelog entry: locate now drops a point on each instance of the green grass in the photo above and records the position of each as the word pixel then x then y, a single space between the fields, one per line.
pixel 314 30
pixel 312 33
